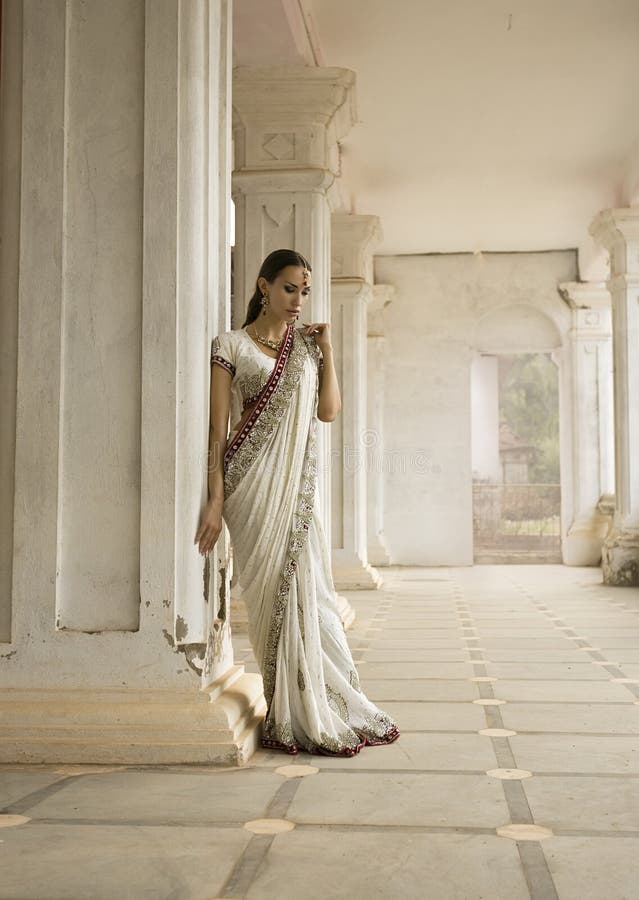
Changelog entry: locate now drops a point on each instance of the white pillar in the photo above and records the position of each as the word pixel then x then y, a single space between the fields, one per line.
pixel 120 647
pixel 484 389
pixel 287 124
pixel 588 475
pixel 618 231
pixel 353 239
pixel 374 440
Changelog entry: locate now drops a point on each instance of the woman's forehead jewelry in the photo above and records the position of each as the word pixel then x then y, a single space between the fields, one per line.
pixel 307 277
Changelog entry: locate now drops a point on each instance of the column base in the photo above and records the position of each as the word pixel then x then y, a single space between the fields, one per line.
pixel 352 575
pixel 620 558
pixel 218 726
pixel 582 545
pixel 377 553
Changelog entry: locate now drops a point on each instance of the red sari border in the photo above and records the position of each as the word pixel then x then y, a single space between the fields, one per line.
pixel 264 396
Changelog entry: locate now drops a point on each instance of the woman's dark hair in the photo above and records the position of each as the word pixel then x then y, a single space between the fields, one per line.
pixel 270 269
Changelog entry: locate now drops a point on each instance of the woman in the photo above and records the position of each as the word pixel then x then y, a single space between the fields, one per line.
pixel 276 380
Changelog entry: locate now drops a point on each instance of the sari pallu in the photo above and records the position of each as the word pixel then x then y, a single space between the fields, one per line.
pixel 314 700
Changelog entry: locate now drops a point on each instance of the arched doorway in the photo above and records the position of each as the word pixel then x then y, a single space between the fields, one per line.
pixel 515 438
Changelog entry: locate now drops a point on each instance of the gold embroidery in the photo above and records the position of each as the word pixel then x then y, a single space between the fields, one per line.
pixel 281 733
pixel 353 680
pixel 300 680
pixel 337 702
pixel 251 385
pixel 297 540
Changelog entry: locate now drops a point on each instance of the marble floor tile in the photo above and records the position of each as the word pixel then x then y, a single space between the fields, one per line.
pixel 594 868
pixel 155 797
pixel 581 669
pixel 320 865
pixel 608 754
pixel 416 670
pixel 564 691
pixel 607 718
pixel 426 689
pixel 437 716
pixel 19 783
pixel 577 802
pixel 66 862
pixel 340 798
pixel 448 751
pixel 413 655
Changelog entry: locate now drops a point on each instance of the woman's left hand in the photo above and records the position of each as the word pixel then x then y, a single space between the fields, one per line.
pixel 321 331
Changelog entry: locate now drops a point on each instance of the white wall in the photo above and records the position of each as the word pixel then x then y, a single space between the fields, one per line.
pixel 430 333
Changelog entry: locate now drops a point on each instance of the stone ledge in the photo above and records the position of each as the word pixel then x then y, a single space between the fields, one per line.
pixel 356 578
pixel 147 728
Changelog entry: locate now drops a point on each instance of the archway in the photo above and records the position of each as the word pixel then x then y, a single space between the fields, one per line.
pixel 515 438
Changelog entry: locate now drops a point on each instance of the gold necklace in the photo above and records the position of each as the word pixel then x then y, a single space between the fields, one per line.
pixel 274 345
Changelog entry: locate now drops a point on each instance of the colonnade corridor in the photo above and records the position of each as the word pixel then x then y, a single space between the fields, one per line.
pixel 516 689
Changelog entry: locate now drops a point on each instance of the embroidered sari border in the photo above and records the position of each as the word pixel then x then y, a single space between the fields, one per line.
pixel 264 396
pixel 274 399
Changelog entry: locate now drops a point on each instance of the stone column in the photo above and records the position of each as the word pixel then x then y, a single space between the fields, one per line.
pixel 287 124
pixel 119 648
pixel 352 245
pixel 588 471
pixel 374 443
pixel 618 231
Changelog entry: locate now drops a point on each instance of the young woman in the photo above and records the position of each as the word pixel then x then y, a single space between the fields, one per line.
pixel 276 380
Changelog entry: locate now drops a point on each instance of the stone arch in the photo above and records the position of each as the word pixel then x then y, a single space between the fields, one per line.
pixel 516 328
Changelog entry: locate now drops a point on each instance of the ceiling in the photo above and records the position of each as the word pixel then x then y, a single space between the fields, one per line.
pixel 486 125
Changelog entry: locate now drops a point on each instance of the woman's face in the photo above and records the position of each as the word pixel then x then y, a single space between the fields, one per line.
pixel 287 293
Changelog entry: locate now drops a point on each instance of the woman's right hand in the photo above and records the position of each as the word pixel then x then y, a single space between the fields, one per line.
pixel 210 527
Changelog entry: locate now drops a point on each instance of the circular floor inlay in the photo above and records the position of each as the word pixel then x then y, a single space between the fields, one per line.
pixel 625 680
pixel 525 832
pixel 297 771
pixel 588 648
pixel 602 662
pixel 509 774
pixel 269 826
pixel 483 678
pixel 489 701
pixel 497 732
pixel 9 821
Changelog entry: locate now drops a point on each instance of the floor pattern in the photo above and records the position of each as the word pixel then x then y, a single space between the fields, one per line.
pixel 516 689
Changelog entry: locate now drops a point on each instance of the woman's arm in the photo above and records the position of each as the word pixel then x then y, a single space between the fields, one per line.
pixel 210 526
pixel 330 401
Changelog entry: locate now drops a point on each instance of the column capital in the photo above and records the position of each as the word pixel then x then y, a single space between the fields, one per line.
pixel 353 238
pixel 618 231
pixel 291 117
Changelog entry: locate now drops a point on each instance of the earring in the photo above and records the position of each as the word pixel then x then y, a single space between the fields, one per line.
pixel 264 301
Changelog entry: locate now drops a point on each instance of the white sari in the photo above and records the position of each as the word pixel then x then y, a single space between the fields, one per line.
pixel 314 699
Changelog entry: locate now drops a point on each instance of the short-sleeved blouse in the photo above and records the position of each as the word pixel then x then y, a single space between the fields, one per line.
pixel 249 367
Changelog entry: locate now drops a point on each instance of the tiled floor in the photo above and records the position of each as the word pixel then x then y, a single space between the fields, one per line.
pixel 516 689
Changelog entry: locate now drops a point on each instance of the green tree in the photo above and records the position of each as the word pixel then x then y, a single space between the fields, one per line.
pixel 529 403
